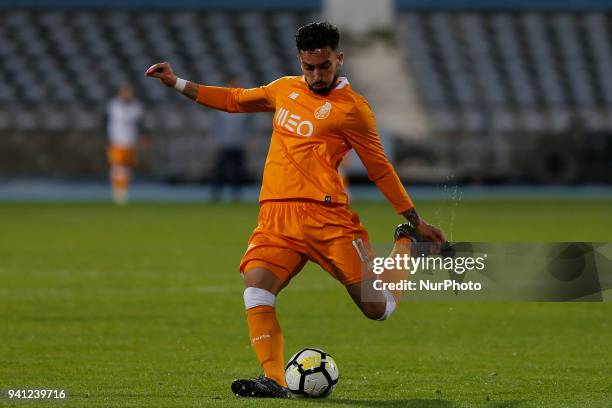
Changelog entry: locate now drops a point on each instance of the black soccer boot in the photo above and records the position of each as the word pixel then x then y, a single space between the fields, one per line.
pixel 260 387
pixel 407 231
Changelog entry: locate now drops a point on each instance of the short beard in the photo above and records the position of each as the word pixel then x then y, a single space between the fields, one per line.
pixel 325 91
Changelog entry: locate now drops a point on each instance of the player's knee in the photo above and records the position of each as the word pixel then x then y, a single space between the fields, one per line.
pixel 264 279
pixel 254 297
pixel 373 310
pixel 380 310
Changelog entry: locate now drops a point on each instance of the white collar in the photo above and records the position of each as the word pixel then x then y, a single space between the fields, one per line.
pixel 342 82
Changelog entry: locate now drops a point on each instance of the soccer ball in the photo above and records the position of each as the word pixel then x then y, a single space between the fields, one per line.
pixel 311 372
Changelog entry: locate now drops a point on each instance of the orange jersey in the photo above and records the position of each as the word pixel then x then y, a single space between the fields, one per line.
pixel 312 134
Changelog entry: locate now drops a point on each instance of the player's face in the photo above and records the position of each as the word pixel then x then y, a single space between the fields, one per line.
pixel 126 93
pixel 321 68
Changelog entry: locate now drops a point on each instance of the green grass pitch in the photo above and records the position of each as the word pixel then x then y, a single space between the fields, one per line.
pixel 142 306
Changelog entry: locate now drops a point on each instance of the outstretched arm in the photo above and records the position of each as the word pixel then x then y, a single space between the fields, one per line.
pixel 259 99
pixel 163 72
pixel 360 131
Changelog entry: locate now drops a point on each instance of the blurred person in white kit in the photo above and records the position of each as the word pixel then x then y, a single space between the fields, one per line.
pixel 229 132
pixel 124 115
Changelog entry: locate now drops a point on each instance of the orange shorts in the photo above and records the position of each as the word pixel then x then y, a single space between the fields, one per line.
pixel 291 232
pixel 121 156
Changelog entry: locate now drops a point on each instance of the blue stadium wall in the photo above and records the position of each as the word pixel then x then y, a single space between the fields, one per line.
pixel 482 5
pixel 164 4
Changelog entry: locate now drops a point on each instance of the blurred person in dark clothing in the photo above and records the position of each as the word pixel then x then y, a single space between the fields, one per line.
pixel 229 132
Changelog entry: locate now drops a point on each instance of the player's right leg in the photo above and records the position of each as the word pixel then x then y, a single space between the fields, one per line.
pixel 268 265
pixel 219 175
pixel 120 180
pixel 261 288
pixel 121 160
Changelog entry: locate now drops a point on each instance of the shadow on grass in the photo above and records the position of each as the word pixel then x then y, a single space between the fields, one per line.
pixel 412 403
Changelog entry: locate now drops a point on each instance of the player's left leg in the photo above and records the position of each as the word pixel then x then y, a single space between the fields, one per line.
pixel 222 167
pixel 375 305
pixel 363 293
pixel 268 265
pixel 120 181
pixel 121 160
pixel 346 254
pixel 237 173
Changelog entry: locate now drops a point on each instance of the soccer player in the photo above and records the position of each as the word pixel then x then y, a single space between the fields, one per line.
pixel 303 206
pixel 123 115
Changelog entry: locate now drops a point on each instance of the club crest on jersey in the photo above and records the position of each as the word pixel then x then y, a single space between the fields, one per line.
pixel 323 111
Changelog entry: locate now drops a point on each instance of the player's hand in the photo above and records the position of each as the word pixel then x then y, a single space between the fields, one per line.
pixel 429 232
pixel 163 72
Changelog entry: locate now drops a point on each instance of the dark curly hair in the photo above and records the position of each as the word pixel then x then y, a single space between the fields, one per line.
pixel 317 35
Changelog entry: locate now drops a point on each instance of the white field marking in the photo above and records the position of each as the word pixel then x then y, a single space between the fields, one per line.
pixel 201 289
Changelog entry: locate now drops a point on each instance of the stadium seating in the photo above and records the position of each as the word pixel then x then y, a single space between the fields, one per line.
pixel 507 70
pixel 511 71
pixel 78 58
pixel 478 73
